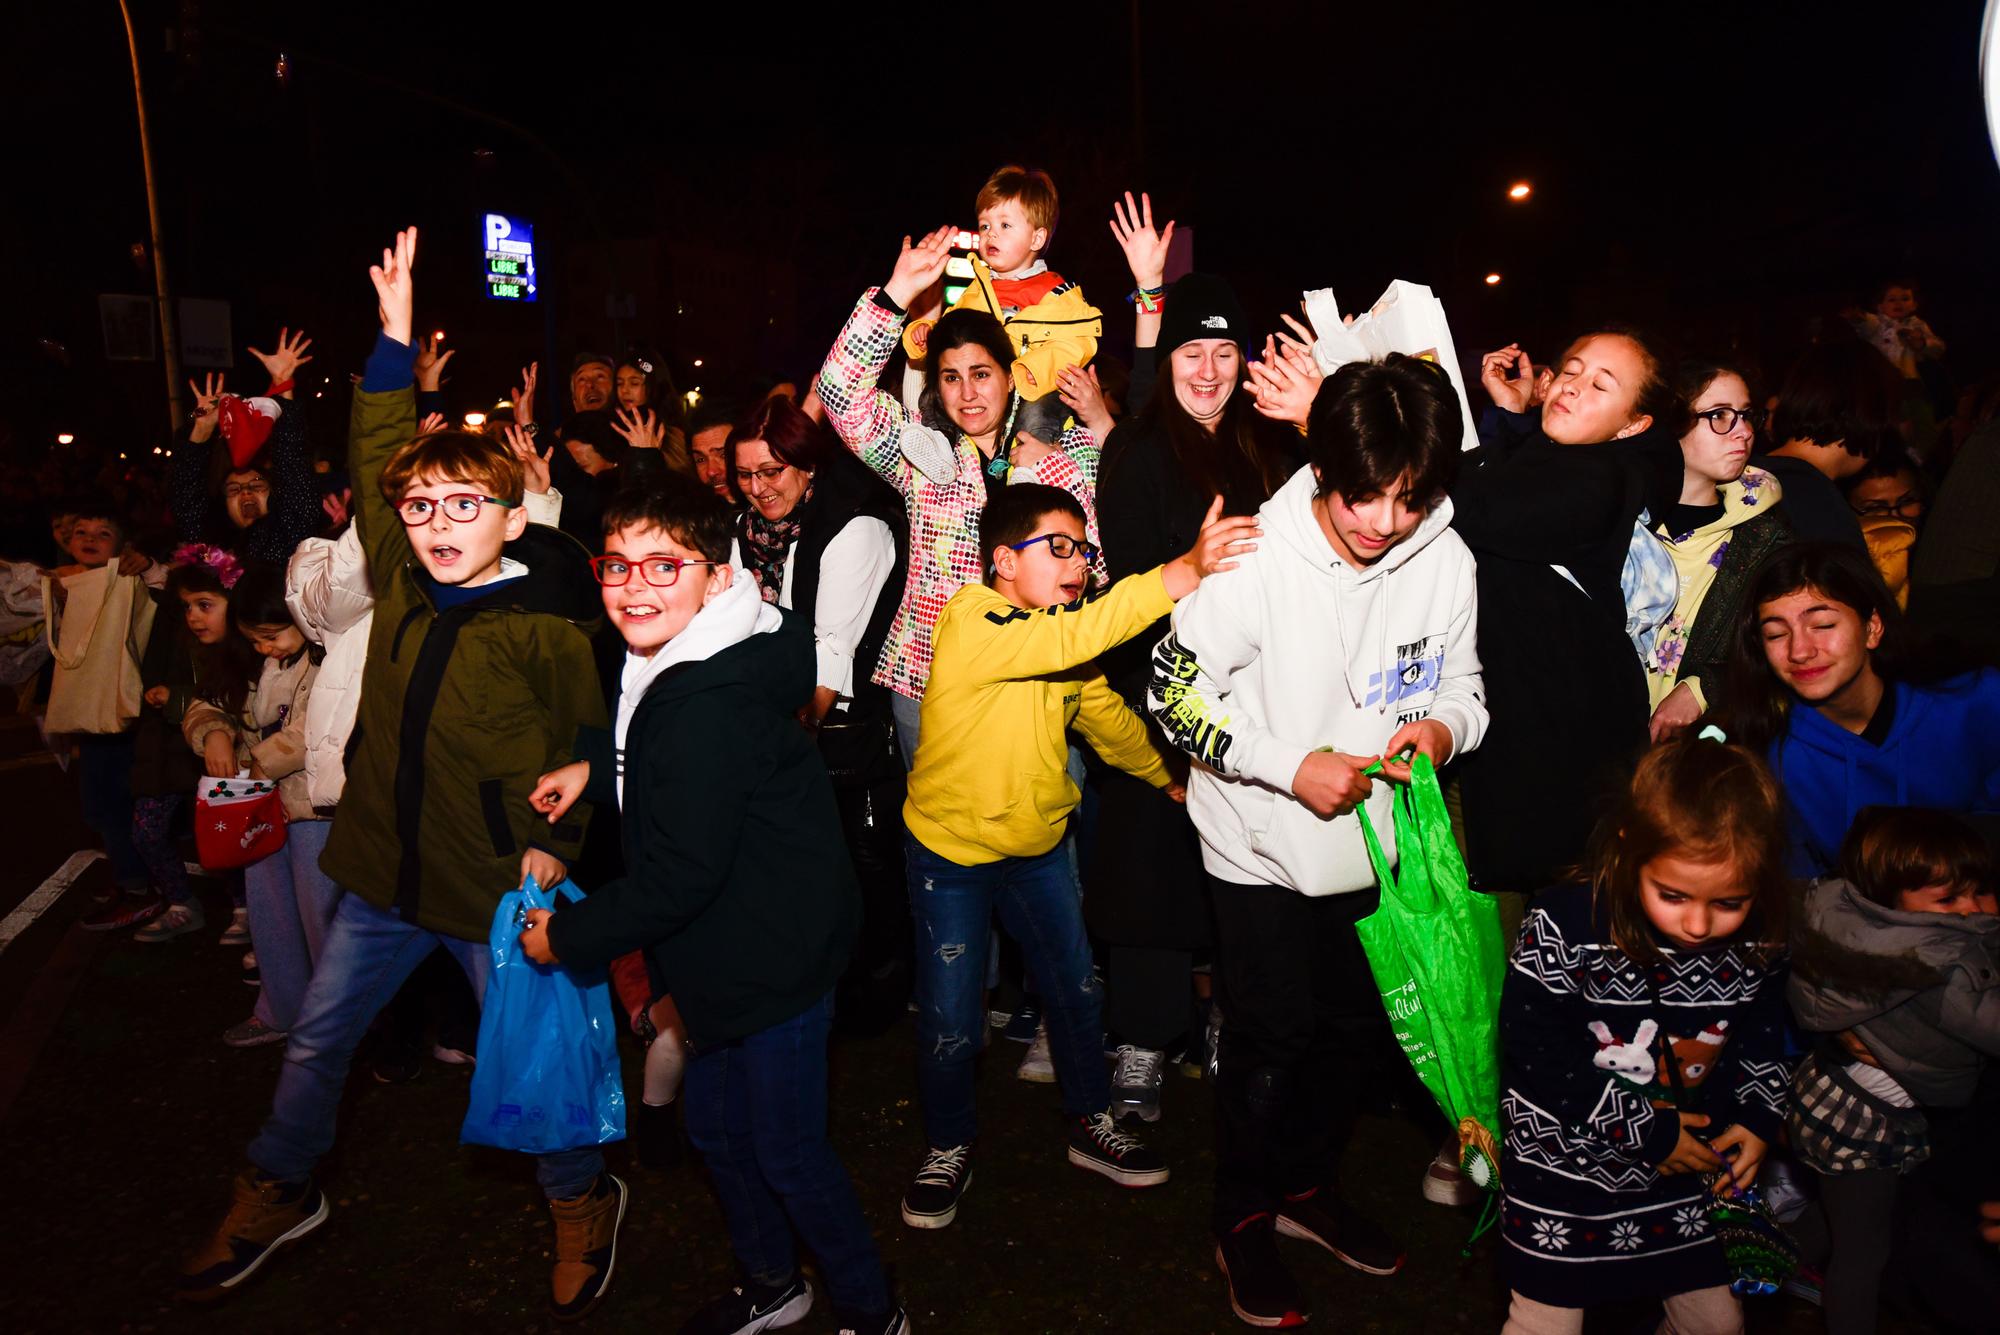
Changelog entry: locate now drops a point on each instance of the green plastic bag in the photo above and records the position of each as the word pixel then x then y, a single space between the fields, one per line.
pixel 1438 956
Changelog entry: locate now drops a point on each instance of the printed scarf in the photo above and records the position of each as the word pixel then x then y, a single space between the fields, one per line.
pixel 766 543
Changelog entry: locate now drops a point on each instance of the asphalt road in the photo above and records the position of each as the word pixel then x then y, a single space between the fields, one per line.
pixel 127 1116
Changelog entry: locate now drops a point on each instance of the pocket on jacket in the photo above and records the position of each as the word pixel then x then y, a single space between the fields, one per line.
pixel 493 805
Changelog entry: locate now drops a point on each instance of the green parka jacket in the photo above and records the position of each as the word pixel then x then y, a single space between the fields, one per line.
pixel 461 710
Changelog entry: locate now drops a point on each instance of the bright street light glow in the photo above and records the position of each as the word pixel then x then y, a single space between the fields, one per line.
pixel 697 361
pixel 65 439
pixel 1519 191
pixel 475 420
pixel 1493 280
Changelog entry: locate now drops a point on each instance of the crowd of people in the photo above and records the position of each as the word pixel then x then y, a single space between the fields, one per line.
pixel 990 687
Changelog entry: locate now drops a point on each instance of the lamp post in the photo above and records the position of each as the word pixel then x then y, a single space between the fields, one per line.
pixel 169 344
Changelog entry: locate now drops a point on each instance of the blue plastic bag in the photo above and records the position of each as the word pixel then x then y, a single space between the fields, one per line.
pixel 548 1076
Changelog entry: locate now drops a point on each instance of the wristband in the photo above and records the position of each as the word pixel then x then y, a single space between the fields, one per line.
pixel 280 386
pixel 532 428
pixel 1148 299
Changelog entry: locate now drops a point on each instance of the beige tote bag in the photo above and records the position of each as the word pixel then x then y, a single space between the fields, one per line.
pixel 98 639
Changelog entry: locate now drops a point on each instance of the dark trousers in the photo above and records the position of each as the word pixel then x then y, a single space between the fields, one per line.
pixel 876 987
pixel 1147 1001
pixel 756 1110
pixel 104 783
pixel 1303 1028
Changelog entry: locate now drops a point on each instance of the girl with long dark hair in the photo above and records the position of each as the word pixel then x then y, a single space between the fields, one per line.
pixel 1825 682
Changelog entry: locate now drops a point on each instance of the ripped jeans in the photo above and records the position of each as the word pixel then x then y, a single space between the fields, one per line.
pixel 952 907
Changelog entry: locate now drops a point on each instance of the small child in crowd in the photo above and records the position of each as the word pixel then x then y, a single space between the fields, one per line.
pixel 290 899
pixel 1895 971
pixel 738 885
pixel 95 536
pixel 1046 317
pixel 990 797
pixel 1642 1047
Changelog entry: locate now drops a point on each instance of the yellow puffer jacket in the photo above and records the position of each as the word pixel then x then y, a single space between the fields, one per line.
pixel 1059 330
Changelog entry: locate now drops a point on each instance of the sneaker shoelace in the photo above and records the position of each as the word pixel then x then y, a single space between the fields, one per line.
pixel 1106 1133
pixel 1137 1066
pixel 942 1168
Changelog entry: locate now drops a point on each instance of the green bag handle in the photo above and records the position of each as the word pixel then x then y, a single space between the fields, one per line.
pixel 1405 818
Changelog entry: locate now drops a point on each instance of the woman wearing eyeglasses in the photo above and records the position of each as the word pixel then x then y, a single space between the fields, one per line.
pixel 823 537
pixel 1727 520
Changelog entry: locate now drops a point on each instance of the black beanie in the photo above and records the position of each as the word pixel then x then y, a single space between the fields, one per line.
pixel 1201 305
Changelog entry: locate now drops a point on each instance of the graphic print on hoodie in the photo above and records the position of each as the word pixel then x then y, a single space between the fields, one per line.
pixel 1296 650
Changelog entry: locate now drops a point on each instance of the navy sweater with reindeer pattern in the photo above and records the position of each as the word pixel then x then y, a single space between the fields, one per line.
pixel 1590 1100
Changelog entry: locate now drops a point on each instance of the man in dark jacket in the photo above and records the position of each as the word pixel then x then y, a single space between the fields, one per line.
pixel 737 886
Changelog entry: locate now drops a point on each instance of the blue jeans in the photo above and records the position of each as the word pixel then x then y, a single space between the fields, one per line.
pixel 756 1110
pixel 1037 901
pixel 291 904
pixel 908 715
pixel 367 954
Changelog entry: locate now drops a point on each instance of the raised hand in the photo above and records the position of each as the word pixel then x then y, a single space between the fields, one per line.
pixel 1145 249
pixel 1028 450
pixel 430 422
pixel 207 403
pixel 335 504
pixel 395 290
pixel 1283 385
pixel 534 466
pixel 524 394
pixel 430 363
pixel 1516 395
pixel 291 354
pixel 1302 337
pixel 1078 387
pixel 640 427
pixel 919 266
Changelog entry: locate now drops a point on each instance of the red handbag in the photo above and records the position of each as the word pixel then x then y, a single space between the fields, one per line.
pixel 237 821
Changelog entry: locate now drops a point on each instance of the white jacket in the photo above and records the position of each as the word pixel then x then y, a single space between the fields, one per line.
pixel 327 589
pixel 1295 650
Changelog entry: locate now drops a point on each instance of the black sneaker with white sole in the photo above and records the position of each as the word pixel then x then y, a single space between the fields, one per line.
pixel 848 1322
pixel 1322 1218
pixel 932 1200
pixel 1262 1291
pixel 1096 1145
pixel 751 1307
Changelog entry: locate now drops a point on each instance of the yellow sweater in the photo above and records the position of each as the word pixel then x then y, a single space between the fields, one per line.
pixel 991 778
pixel 1059 330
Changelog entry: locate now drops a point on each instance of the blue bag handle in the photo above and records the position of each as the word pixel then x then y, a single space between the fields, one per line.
pixel 533 896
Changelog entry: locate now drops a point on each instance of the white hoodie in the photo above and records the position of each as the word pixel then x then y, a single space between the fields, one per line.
pixel 1296 650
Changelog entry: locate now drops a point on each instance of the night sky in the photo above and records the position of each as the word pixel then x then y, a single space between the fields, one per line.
pixel 740 175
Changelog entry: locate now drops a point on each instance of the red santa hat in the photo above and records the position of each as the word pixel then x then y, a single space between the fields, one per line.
pixel 246 425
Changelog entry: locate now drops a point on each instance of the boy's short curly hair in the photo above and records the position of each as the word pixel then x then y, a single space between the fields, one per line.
pixel 1030 186
pixel 455 456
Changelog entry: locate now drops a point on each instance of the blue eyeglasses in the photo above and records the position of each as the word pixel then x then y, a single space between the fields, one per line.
pixel 1061 546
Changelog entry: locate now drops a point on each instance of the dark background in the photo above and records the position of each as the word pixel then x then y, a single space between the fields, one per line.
pixel 735 174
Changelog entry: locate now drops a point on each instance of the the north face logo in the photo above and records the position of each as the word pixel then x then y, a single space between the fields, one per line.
pixel 1214 322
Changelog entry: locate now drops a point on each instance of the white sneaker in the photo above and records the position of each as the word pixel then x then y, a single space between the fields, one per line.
pixel 238 931
pixel 1038 1066
pixel 178 920
pixel 1135 1083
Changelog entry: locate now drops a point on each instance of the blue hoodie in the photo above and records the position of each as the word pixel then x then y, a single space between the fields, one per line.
pixel 1943 750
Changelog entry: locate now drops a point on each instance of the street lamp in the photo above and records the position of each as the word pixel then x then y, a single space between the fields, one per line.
pixel 1519 191
pixel 473 421
pixel 65 439
pixel 1493 280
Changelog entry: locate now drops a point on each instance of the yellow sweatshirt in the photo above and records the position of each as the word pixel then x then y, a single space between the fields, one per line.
pixel 991 778
pixel 1059 330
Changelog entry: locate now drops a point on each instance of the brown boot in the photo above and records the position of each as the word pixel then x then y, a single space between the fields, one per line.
pixel 264 1217
pixel 586 1247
